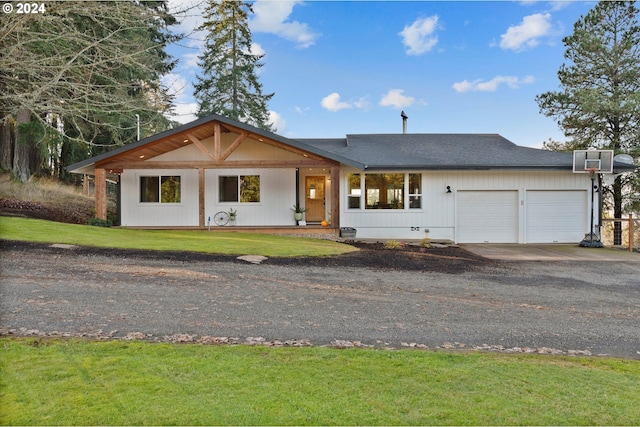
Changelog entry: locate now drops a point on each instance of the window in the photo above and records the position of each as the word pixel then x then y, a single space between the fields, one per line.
pixel 385 190
pixel 160 189
pixel 415 190
pixel 355 191
pixel 243 188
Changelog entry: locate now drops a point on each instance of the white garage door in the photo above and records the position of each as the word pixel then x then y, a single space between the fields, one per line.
pixel 556 216
pixel 487 217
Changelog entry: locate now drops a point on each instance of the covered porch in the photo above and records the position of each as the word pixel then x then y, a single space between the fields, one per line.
pixel 204 159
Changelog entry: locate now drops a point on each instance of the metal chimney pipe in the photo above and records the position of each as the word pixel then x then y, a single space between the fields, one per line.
pixel 404 121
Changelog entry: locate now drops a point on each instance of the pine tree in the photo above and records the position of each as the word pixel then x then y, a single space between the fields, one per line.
pixel 599 102
pixel 229 85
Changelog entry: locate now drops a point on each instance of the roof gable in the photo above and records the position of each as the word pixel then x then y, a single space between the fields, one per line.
pixel 213 126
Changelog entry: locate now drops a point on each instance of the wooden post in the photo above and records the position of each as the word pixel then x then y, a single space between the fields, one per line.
pixel 101 194
pixel 335 197
pixel 217 140
pixel 201 198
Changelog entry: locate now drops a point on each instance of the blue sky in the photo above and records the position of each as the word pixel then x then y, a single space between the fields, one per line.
pixel 346 67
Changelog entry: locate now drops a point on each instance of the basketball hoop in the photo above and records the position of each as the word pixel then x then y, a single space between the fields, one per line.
pixel 592 161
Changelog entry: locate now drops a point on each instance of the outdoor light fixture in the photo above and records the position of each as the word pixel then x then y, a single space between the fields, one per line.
pixel 448 189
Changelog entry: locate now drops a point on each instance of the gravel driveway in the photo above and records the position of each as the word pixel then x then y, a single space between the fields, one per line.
pixel 567 307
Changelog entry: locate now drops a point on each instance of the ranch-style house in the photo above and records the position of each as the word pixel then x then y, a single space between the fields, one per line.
pixel 465 188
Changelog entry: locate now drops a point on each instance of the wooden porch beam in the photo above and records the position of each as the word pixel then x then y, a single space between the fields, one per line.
pixel 187 164
pixel 217 140
pixel 101 194
pixel 234 145
pixel 200 146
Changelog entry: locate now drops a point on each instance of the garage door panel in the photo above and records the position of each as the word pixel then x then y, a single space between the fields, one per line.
pixel 487 216
pixel 555 216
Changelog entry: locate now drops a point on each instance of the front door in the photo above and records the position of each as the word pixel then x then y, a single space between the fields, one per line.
pixel 314 195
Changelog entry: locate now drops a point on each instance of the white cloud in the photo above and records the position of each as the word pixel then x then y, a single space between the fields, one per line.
pixel 176 84
pixel 527 34
pixel 332 102
pixel 491 85
pixel 395 98
pixel 185 109
pixel 257 50
pixel 419 37
pixel 184 113
pixel 272 17
pixel 276 121
pixel 190 59
pixel 362 103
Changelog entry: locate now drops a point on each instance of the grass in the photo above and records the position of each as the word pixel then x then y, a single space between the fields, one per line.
pixel 231 243
pixel 57 382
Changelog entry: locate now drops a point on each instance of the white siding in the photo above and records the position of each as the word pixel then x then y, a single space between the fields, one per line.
pixel 277 196
pixel 136 214
pixel 438 213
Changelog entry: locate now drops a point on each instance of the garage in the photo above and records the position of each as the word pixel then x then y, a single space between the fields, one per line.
pixel 554 216
pixel 487 217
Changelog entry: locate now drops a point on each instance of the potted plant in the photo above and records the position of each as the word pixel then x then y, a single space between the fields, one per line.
pixel 233 215
pixel 298 211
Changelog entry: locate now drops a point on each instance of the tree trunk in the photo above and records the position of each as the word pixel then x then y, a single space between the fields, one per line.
pixel 21 170
pixel 6 146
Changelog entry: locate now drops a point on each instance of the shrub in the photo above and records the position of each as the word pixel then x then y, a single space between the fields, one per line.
pixel 97 222
pixel 393 244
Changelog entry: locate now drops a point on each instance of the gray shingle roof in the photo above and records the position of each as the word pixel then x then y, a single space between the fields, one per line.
pixel 441 151
pixel 395 151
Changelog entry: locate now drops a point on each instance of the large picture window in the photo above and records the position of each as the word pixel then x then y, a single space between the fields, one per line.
pixel 385 191
pixel 243 188
pixel 160 189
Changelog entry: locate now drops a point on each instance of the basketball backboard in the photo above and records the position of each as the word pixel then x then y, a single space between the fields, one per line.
pixel 593 161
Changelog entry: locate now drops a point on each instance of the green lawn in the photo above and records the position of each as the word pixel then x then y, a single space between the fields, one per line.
pixel 232 243
pixel 57 382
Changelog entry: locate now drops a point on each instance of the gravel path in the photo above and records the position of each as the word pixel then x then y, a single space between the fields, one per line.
pixel 561 307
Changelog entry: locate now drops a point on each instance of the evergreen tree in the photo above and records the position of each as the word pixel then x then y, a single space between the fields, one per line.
pixel 229 85
pixel 598 105
pixel 82 70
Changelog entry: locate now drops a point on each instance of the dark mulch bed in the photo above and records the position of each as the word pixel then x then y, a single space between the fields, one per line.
pixel 371 255
pixel 408 257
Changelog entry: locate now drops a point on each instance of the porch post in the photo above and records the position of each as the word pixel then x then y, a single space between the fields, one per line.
pixel 201 197
pixel 335 196
pixel 101 194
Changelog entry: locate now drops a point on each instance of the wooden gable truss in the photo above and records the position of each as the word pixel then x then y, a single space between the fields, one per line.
pixel 139 158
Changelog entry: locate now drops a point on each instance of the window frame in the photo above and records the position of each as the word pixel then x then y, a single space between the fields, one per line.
pixel 409 195
pixel 160 198
pixel 239 179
